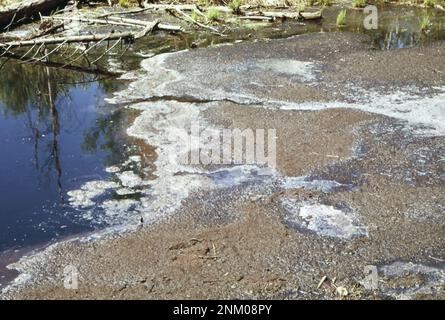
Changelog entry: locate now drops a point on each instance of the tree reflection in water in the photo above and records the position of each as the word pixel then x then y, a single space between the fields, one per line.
pixel 58 122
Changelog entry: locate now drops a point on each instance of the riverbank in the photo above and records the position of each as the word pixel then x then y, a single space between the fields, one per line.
pixel 359 179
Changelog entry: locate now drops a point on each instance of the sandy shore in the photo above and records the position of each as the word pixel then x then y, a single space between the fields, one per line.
pixel 359 180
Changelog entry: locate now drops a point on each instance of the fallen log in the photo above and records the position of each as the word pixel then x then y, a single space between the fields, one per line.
pixel 18 13
pixel 153 7
pixel 161 26
pixel 311 15
pixel 118 22
pixel 129 35
pixel 293 15
pixel 282 15
pixel 261 18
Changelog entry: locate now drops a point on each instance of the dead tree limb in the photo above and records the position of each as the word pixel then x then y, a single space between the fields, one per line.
pixel 190 19
pixel 284 15
pixel 45 32
pixel 119 22
pixel 153 7
pixel 261 18
pixel 106 52
pixel 161 26
pixel 130 35
pixel 12 15
pixel 311 15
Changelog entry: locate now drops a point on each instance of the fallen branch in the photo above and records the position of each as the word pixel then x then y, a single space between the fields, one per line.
pixel 153 7
pixel 14 14
pixel 45 32
pixel 119 22
pixel 161 26
pixel 311 15
pixel 262 18
pixel 284 15
pixel 130 35
pixel 88 20
pixel 190 19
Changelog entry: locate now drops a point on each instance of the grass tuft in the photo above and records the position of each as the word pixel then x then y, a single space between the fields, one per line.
pixel 358 3
pixel 425 23
pixel 235 6
pixel 341 18
pixel 212 14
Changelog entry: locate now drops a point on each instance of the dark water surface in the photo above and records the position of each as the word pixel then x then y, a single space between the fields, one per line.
pixel 56 133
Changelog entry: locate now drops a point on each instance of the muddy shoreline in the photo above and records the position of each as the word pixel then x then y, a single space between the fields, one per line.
pixel 368 172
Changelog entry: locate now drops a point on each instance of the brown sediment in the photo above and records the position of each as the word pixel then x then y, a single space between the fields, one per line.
pixel 306 140
pixel 236 243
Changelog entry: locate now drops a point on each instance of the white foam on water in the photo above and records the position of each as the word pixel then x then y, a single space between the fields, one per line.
pixel 157 125
pixel 129 179
pixel 304 182
pixel 112 169
pixel 324 220
pixel 433 279
pixel 427 111
pixel 409 104
pixel 84 197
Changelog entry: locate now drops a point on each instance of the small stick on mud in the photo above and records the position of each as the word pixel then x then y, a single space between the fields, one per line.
pixel 321 282
pixel 263 18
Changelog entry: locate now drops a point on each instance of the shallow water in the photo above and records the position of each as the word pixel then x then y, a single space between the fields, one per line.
pixel 56 132
pixel 398 27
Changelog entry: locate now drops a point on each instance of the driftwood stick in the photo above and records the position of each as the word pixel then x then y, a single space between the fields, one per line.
pixel 152 7
pixel 311 15
pixel 12 15
pixel 89 20
pixel 45 32
pixel 28 52
pixel 106 52
pixel 51 52
pixel 263 18
pixel 70 39
pixel 37 51
pixel 85 38
pixel 136 22
pixel 84 53
pixel 119 22
pixel 284 15
pixel 190 19
pixel 6 51
pixel 169 27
